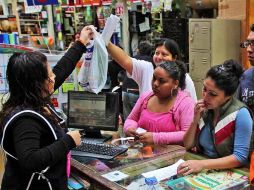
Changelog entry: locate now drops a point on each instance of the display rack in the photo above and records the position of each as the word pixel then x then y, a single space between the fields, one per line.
pixel 32 23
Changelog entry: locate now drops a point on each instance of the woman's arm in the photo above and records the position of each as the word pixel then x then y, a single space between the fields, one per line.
pixel 67 63
pixel 131 123
pixel 120 57
pixel 220 163
pixel 196 166
pixel 243 132
pixel 189 138
pixel 28 141
pixel 132 120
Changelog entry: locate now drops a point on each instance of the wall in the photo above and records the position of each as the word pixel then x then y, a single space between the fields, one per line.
pixel 235 9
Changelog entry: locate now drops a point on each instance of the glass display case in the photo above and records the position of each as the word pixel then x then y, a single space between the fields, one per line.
pixel 137 160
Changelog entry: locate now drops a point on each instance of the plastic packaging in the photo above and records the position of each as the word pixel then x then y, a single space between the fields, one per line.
pixel 151 182
pixel 93 77
pixel 110 28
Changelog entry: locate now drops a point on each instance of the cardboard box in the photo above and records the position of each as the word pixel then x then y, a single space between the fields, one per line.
pixel 232 9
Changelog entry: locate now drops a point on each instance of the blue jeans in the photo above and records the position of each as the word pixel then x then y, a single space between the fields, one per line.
pixel 129 101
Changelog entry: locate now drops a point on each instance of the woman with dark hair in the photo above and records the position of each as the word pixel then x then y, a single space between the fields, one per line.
pixel 32 133
pixel 222 125
pixel 142 71
pixel 167 111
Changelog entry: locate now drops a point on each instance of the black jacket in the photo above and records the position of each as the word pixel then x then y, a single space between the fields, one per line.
pixel 37 142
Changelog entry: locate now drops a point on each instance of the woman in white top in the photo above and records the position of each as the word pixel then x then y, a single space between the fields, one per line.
pixel 142 71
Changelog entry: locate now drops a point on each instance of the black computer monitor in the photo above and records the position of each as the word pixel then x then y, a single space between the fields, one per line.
pixel 93 112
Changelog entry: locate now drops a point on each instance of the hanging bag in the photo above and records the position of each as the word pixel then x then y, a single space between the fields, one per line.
pixel 93 75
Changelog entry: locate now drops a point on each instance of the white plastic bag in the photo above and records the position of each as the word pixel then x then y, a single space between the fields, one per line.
pixel 84 71
pixel 92 76
pixel 110 27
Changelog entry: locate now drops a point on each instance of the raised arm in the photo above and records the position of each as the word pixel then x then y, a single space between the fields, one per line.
pixel 131 123
pixel 122 58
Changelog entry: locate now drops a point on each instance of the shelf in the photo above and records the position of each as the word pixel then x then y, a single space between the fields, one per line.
pixel 67 6
pixel 9 48
pixel 30 34
pixel 27 24
pixel 32 20
pixel 7 16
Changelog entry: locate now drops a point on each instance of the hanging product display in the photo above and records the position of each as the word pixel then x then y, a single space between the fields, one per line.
pixel 168 5
pixel 119 8
pixel 88 15
pixel 42 2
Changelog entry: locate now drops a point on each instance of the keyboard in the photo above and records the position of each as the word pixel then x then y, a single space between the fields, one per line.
pixel 103 151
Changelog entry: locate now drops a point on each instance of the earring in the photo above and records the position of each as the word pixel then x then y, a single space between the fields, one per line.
pixel 174 91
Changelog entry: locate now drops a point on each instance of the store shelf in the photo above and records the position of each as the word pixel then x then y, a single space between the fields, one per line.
pixel 7 16
pixel 32 20
pixel 30 34
pixel 66 6
pixel 27 24
pixel 9 48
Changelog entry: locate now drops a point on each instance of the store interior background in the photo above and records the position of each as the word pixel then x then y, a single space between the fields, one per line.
pixel 58 24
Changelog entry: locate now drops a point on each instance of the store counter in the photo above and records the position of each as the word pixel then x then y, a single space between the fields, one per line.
pixel 136 161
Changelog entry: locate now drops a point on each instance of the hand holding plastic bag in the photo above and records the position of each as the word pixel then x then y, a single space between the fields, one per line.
pixel 93 75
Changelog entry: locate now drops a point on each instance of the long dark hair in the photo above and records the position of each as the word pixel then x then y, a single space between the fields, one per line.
pixel 26 75
pixel 226 76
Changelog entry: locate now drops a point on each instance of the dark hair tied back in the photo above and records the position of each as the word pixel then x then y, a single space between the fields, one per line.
pixel 176 70
pixel 233 67
pixel 226 76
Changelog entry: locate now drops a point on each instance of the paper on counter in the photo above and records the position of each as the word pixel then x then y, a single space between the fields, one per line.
pixel 164 173
pixel 115 176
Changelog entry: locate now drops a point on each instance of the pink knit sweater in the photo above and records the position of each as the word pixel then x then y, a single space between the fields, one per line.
pixel 168 127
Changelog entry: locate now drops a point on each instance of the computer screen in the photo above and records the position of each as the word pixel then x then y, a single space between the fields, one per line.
pixel 93 112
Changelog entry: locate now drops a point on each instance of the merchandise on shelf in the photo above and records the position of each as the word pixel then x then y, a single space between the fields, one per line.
pixel 32 23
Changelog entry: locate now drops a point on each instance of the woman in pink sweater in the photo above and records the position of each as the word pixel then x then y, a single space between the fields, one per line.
pixel 167 111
